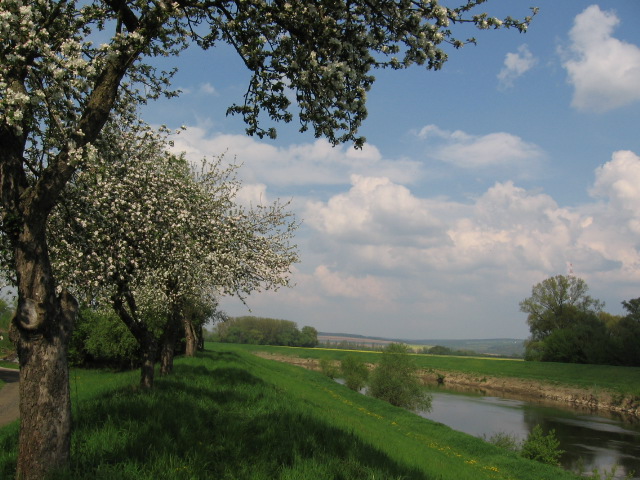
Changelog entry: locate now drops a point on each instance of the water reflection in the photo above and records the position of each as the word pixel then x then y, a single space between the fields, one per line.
pixel 589 441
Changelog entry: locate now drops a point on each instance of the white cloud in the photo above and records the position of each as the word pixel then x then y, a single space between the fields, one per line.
pixel 208 89
pixel 516 65
pixel 430 252
pixel 253 194
pixel 316 163
pixel 376 211
pixel 479 151
pixel 619 181
pixel 604 71
pixel 383 246
pixel 339 284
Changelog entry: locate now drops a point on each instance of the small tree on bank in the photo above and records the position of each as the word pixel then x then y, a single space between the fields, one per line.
pixel 354 372
pixel 395 380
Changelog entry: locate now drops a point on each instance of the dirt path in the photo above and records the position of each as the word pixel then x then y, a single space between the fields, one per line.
pixel 9 397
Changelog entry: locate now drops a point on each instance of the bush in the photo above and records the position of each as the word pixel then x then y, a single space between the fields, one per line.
pixel 328 368
pixel 354 372
pixel 395 380
pixel 100 337
pixel 504 440
pixel 542 448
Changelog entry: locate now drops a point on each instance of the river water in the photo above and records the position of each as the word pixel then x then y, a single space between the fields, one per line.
pixel 589 441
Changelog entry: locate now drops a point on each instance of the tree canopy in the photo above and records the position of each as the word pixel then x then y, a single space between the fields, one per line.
pixel 265 331
pixel 568 325
pixel 556 302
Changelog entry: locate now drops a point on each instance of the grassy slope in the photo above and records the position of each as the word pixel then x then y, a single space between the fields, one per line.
pixel 231 415
pixel 618 379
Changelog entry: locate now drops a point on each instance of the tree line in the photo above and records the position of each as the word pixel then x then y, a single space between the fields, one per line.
pixel 264 331
pixel 568 325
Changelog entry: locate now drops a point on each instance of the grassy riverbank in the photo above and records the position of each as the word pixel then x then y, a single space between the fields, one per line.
pixel 230 415
pixel 624 380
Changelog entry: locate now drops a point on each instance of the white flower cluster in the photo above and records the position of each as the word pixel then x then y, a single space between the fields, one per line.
pixel 141 220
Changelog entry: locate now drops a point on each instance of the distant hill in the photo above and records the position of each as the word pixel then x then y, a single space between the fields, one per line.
pixel 488 346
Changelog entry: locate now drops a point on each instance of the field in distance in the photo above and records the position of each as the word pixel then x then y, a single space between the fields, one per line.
pixel 490 346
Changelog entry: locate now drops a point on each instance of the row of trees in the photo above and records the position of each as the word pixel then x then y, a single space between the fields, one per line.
pixel 264 331
pixel 143 231
pixel 58 92
pixel 568 325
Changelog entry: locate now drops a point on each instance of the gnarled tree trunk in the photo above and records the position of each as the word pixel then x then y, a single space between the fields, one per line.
pixel 190 336
pixel 41 330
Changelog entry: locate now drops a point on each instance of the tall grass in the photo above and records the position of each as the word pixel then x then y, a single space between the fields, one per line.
pixel 230 415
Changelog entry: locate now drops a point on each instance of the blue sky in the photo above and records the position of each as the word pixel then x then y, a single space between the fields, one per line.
pixel 520 157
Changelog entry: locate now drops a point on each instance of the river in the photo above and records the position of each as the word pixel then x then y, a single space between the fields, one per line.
pixel 589 441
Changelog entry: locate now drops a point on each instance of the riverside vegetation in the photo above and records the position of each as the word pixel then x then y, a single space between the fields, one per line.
pixel 624 381
pixel 228 414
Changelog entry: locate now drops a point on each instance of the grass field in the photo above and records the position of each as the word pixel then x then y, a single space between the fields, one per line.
pixel 625 380
pixel 230 415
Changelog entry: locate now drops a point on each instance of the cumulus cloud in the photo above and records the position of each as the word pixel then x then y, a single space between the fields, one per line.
pixel 503 241
pixel 516 65
pixel 316 163
pixel 604 71
pixel 470 151
pixel 619 181
pixel 339 284
pixel 383 249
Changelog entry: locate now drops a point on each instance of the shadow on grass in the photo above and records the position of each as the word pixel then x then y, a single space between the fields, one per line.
pixel 224 422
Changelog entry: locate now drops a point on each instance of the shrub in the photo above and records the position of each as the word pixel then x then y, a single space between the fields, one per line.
pixel 328 368
pixel 504 440
pixel 354 372
pixel 395 380
pixel 542 448
pixel 100 337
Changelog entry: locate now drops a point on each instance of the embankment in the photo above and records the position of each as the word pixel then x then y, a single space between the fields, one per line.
pixel 594 399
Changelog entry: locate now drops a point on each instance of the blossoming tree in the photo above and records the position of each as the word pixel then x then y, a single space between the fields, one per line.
pixel 144 231
pixel 57 90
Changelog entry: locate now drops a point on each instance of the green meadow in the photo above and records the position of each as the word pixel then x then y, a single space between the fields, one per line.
pixel 624 380
pixel 228 414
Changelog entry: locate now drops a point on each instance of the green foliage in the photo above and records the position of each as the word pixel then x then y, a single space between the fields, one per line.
pixel 395 380
pixel 329 368
pixel 557 303
pixel 355 372
pixel 264 331
pixel 101 338
pixel 308 337
pixel 6 314
pixel 440 350
pixel 542 448
pixel 567 325
pixel 504 440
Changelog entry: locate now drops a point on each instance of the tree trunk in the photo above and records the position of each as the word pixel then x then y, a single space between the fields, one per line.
pixel 149 347
pixel 190 335
pixel 200 342
pixel 41 330
pixel 169 339
pixel 145 337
